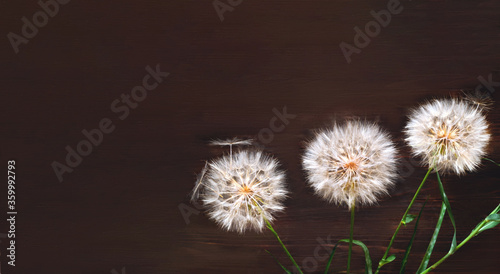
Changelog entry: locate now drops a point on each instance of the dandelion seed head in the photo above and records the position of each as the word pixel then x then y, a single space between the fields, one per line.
pixel 240 191
pixel 449 134
pixel 350 164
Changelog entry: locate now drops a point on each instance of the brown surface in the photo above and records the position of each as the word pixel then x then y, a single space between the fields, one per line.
pixel 119 208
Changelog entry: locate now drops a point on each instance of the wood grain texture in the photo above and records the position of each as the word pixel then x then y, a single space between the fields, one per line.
pixel 120 206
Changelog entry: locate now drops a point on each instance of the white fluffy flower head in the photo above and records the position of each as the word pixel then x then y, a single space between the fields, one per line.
pixel 351 163
pixel 242 190
pixel 449 134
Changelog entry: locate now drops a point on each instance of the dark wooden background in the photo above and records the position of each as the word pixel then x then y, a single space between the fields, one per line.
pixel 120 207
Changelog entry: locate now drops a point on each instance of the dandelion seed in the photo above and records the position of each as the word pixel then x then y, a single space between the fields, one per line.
pixel 478 98
pixel 231 142
pixel 450 135
pixel 351 164
pixel 241 191
pixel 195 193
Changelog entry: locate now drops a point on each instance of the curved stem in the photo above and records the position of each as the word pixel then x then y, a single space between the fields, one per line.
pixel 488 159
pixel 432 267
pixel 283 245
pixel 479 228
pixel 382 261
pixel 351 233
pixel 432 242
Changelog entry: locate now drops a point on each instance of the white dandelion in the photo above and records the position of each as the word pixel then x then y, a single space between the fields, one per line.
pixel 351 163
pixel 242 191
pixel 450 135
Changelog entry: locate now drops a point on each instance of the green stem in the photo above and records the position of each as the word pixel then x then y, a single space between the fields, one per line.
pixel 331 258
pixel 382 261
pixel 351 234
pixel 448 254
pixel 473 234
pixel 487 159
pixel 283 245
pixel 432 242
pixel 450 214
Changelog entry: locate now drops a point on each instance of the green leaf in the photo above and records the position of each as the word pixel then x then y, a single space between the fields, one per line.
pixel 432 242
pixel 331 258
pixel 488 225
pixel 387 260
pixel 276 259
pixel 489 222
pixel 408 249
pixel 450 214
pixel 409 218
pixel 493 217
pixel 496 210
pixel 368 260
pixel 484 223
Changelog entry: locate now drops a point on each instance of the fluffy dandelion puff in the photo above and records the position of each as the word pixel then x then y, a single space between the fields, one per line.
pixel 351 163
pixel 449 134
pixel 242 190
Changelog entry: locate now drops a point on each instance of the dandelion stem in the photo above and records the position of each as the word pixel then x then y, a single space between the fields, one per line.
pixel 283 245
pixel 479 228
pixel 449 254
pixel 488 159
pixel 383 260
pixel 351 233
